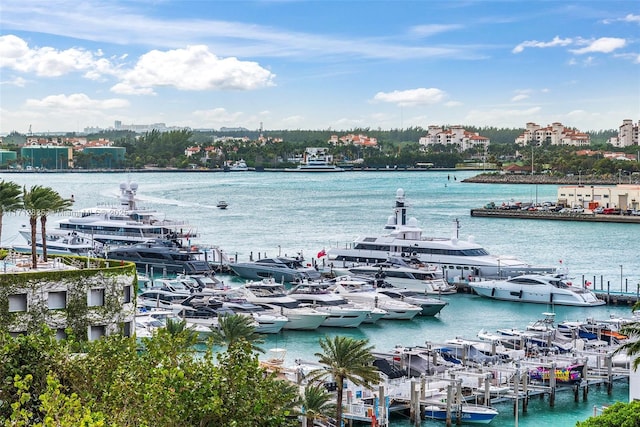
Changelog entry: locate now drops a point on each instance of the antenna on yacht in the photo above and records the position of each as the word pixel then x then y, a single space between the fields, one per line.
pixel 456 227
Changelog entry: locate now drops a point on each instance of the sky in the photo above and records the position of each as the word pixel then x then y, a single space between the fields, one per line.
pixel 318 65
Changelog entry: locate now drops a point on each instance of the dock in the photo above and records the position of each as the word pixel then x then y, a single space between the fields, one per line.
pixel 557 216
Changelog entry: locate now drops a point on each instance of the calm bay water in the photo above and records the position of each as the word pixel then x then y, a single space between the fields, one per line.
pixel 285 213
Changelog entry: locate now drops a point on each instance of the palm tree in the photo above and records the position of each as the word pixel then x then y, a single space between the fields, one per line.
pixel 55 203
pixel 35 202
pixel 345 358
pixel 632 347
pixel 316 404
pixel 10 199
pixel 233 328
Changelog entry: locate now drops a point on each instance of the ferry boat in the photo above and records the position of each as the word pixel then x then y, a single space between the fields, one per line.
pixel 123 224
pixel 458 258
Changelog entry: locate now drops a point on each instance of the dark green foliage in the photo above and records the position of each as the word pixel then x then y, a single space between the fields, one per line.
pixel 617 415
pixel 167 384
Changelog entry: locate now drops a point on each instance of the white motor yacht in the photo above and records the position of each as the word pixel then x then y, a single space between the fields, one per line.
pixel 430 306
pixel 537 288
pixel 280 269
pixel 270 294
pixel 459 258
pixel 341 312
pixel 359 291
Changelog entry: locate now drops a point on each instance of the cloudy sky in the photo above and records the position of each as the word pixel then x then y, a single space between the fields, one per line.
pixel 66 65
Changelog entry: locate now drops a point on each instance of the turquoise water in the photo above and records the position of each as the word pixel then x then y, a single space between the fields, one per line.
pixel 284 213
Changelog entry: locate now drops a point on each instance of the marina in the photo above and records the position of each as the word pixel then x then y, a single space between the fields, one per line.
pixel 328 211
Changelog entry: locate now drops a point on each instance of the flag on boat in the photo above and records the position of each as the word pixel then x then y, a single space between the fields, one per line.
pixel 321 254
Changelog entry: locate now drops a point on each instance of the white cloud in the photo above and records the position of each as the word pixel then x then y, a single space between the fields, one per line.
pixel 453 104
pixel 429 30
pixel 218 116
pixel 634 19
pixel 193 68
pixel 412 97
pixel 76 101
pixel 17 81
pixel 503 117
pixel 520 97
pixel 557 41
pixel 601 45
pixel 47 61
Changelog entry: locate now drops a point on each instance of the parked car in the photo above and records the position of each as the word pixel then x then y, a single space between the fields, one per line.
pixel 598 210
pixel 611 211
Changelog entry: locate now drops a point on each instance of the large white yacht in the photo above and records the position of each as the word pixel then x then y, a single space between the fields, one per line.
pixel 123 224
pixel 457 258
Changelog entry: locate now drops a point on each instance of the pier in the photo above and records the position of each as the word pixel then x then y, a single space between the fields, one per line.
pixel 569 216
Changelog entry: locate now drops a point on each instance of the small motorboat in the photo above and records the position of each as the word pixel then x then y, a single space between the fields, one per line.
pixel 222 204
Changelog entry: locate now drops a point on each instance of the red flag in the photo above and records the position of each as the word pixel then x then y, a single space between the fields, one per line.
pixel 321 254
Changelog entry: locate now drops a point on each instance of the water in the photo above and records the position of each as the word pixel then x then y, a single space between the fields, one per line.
pixel 285 213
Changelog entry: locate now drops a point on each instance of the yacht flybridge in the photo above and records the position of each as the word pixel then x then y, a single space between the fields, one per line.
pixel 457 258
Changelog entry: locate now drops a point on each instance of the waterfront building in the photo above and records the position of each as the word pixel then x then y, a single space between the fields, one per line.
pixel 91 297
pixel 351 139
pixel 46 156
pixel 6 156
pixel 621 196
pixel 455 135
pixel 554 134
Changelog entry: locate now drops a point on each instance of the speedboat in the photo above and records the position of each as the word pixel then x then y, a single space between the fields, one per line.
pixel 222 204
pixel 342 313
pixel 359 291
pixel 537 288
pixel 162 255
pixel 458 258
pixel 397 272
pixel 430 306
pixel 281 269
pixel 124 223
pixel 466 412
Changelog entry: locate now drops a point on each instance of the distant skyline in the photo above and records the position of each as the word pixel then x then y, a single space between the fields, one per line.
pixel 312 65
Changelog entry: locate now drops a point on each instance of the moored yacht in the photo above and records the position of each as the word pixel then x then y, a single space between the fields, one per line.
pixel 361 292
pixel 162 255
pixel 280 269
pixel 342 313
pixel 458 258
pixel 537 288
pixel 124 223
pixel 269 294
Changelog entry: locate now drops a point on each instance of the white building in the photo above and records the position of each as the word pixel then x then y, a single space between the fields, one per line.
pixel 621 196
pixel 627 135
pixel 554 134
pixel 455 135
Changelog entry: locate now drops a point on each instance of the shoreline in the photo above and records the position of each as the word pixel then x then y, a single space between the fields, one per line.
pixel 542 179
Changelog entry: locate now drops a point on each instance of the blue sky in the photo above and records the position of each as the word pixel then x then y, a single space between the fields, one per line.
pixel 289 64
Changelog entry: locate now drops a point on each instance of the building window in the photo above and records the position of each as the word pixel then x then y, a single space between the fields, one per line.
pixel 97 332
pixel 127 329
pixel 17 302
pixel 127 292
pixel 61 334
pixel 57 300
pixel 96 297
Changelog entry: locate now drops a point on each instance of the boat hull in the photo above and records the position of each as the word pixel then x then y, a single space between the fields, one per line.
pixel 533 294
pixel 472 415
